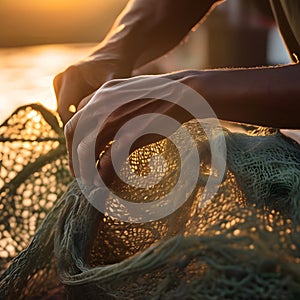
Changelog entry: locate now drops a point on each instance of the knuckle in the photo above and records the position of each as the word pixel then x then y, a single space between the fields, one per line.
pixel 190 80
pixel 111 83
pixel 56 82
pixel 83 148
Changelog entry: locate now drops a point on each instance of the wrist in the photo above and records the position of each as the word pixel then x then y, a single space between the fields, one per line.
pixel 116 54
pixel 103 64
pixel 197 80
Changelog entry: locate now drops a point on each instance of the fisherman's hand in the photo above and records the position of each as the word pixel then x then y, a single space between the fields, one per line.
pixel 101 116
pixel 83 78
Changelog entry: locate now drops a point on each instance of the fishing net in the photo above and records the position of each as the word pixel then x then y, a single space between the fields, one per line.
pixel 243 243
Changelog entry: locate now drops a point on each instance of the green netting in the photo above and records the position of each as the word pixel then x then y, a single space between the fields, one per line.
pixel 242 244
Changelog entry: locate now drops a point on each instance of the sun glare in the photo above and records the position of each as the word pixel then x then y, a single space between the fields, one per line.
pixel 32 71
pixel 72 5
pixel 26 73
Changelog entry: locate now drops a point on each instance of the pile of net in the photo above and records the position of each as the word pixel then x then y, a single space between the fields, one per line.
pixel 244 243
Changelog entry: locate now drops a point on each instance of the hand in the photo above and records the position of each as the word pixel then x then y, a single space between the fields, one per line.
pixel 94 126
pixel 83 78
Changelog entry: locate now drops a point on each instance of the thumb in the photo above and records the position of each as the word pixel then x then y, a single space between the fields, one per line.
pixel 111 162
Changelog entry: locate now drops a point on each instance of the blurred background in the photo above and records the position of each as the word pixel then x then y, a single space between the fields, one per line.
pixel 39 38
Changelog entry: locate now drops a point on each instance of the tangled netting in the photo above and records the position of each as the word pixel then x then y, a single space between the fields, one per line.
pixel 244 243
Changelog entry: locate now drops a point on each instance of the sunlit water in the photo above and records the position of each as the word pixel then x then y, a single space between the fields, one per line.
pixel 26 74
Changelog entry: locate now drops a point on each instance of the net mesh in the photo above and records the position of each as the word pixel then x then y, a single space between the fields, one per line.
pixel 244 243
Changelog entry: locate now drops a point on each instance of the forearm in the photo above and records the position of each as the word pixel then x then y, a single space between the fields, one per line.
pixel 147 29
pixel 262 96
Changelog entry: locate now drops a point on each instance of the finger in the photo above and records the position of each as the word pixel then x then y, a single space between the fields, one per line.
pixel 69 131
pixel 105 170
pixel 84 145
pixel 87 163
pixel 138 134
pixel 63 103
pixel 70 88
pixel 145 140
pixel 109 166
pixel 117 119
pixel 85 101
pixel 114 157
pixel 112 82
